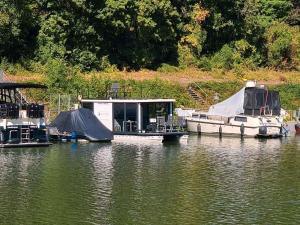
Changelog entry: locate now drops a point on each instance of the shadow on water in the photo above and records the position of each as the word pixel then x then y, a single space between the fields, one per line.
pixel 206 180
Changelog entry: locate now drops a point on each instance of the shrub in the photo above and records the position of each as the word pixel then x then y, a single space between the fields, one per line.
pixel 238 55
pixel 283 43
pixel 185 57
pixel 85 60
pixel 57 74
pixel 204 63
pixel 223 59
pixel 106 66
pixel 167 68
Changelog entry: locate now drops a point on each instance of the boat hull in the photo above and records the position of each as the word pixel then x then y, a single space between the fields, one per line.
pixel 26 145
pixel 297 128
pixel 137 137
pixel 221 129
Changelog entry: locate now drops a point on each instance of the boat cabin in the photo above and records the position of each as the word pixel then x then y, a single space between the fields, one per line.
pixel 132 115
pixel 259 101
pixel 21 122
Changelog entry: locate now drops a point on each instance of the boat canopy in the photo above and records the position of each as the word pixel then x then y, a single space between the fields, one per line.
pixel 84 123
pixel 230 107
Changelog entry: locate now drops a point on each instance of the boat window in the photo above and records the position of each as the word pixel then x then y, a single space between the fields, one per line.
pixel 240 119
pixel 88 105
pixel 260 99
pixel 203 116
pixel 248 99
pixel 195 116
pixel 124 112
pixel 275 100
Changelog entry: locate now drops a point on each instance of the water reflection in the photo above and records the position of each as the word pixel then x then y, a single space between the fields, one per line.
pixel 204 181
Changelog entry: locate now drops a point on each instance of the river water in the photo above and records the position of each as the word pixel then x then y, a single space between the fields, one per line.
pixel 204 181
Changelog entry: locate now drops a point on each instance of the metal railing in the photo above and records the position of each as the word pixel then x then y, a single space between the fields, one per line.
pixel 200 90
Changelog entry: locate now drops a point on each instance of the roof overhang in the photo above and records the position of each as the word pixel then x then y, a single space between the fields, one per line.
pixel 129 100
pixel 9 86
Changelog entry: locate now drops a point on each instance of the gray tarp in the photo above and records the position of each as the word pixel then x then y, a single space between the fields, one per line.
pixel 230 107
pixel 84 123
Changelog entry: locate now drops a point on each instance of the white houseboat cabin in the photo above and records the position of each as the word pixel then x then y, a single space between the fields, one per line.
pixel 132 118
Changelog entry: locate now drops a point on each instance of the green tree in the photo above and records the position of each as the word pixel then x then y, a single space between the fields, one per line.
pixel 18 29
pixel 140 33
pixel 68 31
pixel 283 44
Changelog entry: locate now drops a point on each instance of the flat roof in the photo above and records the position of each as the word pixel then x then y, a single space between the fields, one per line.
pixel 129 100
pixel 10 85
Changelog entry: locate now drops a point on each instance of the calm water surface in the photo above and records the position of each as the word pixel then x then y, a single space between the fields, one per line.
pixel 204 181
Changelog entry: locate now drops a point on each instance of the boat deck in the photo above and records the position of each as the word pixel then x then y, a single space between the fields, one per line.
pixel 175 133
pixel 151 136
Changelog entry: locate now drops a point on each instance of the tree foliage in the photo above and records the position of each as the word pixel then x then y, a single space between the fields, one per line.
pixel 135 34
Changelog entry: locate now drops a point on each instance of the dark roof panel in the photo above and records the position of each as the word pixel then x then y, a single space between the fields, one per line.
pixel 8 85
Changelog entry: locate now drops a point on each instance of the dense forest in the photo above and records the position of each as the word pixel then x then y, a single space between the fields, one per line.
pixel 152 34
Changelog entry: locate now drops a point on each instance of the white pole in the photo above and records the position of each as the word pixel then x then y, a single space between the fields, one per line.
pixel 139 117
pixel 171 109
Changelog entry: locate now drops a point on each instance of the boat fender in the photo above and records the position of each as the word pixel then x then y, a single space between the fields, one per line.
pixel 220 131
pixel 242 129
pixel 263 130
pixel 281 129
pixel 199 128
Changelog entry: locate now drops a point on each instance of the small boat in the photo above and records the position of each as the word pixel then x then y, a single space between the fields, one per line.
pixel 22 124
pixel 78 124
pixel 254 111
pixel 137 119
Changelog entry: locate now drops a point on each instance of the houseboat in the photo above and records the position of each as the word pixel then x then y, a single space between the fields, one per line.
pixel 22 123
pixel 254 111
pixel 129 119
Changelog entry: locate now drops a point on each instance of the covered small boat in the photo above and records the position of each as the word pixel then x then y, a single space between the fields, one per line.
pixel 81 122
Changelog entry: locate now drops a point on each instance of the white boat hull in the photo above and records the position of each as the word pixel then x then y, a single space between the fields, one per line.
pixel 135 138
pixel 159 137
pixel 220 128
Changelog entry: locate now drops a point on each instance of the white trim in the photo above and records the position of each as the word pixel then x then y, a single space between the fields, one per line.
pixel 129 100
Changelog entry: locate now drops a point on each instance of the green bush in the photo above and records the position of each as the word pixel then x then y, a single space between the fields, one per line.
pixel 185 57
pixel 106 66
pixel 57 75
pixel 283 43
pixel 223 59
pixel 85 60
pixel 204 63
pixel 289 95
pixel 238 55
pixel 167 68
pixel 224 89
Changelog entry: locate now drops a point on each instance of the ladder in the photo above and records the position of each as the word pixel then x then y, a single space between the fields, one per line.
pixel 25 134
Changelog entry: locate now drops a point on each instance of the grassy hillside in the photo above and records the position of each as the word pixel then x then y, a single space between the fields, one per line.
pixel 151 84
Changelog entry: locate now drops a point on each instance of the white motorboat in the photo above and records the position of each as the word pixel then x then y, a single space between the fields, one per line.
pixel 254 111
